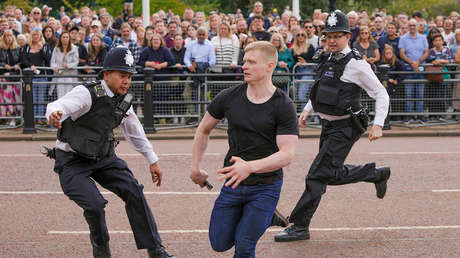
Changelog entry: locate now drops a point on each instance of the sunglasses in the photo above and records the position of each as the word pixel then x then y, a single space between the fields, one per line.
pixel 36 12
pixel 308 27
pixel 301 34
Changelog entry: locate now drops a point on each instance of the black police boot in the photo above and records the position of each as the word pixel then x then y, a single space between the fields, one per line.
pixel 293 233
pixel 383 174
pixel 278 219
pixel 101 251
pixel 159 252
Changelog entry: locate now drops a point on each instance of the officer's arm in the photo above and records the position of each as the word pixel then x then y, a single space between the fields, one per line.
pixel 134 133
pixel 305 113
pixel 360 73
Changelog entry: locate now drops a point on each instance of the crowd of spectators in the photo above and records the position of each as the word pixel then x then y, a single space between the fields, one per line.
pixel 196 41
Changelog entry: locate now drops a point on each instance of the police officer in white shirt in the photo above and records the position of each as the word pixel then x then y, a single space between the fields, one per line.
pixel 335 96
pixel 84 153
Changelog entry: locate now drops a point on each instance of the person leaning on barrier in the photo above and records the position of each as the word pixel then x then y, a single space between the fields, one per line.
pixel 64 61
pixel 34 56
pixel 392 83
pixel 85 154
pixel 10 64
pixel 262 135
pixel 158 57
pixel 439 55
pixel 199 55
pixel 335 96
pixel 285 62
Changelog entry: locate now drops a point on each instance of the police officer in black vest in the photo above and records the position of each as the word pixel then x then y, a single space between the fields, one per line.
pixel 84 153
pixel 335 96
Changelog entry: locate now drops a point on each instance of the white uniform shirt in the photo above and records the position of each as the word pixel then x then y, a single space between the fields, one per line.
pixel 360 73
pixel 78 102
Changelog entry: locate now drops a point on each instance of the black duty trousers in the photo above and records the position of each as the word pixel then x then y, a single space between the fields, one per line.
pixel 77 176
pixel 328 169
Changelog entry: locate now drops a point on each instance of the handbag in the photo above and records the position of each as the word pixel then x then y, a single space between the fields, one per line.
pixel 434 77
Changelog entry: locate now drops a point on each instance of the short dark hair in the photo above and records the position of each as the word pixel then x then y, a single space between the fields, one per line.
pixel 257 16
pixel 172 22
pixel 74 28
pixel 417 14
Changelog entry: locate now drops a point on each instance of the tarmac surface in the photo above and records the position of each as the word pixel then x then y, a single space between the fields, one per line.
pixel 419 217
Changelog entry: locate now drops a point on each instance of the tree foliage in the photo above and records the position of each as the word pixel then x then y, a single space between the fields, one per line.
pixel 431 8
pixel 24 4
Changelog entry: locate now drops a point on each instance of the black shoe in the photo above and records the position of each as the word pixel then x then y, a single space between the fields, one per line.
pixel 383 174
pixel 159 252
pixel 101 251
pixel 293 233
pixel 278 219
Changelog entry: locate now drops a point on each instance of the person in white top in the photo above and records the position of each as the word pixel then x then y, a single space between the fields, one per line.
pixel 226 46
pixel 84 153
pixel 335 96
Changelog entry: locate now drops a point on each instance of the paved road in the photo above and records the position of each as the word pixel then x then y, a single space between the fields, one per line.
pixel 420 216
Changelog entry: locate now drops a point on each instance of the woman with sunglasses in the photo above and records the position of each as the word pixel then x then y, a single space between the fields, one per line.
pixel 303 52
pixel 367 46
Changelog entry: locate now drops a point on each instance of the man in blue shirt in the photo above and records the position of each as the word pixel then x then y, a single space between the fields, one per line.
pixel 413 49
pixel 198 57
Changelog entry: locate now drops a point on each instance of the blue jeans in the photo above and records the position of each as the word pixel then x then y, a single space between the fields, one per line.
pixel 303 88
pixel 240 217
pixel 419 89
pixel 39 92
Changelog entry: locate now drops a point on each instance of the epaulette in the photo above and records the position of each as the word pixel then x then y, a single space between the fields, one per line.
pixel 98 88
pixel 321 56
pixel 356 54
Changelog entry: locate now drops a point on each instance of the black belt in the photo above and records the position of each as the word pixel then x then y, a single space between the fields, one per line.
pixel 336 123
pixel 260 181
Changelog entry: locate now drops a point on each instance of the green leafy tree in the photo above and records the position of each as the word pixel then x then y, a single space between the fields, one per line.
pixel 432 8
pixel 26 5
pixel 115 7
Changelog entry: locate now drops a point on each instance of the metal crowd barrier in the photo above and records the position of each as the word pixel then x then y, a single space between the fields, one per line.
pixel 179 99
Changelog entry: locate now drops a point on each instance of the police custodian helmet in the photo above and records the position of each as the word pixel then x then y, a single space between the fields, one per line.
pixel 119 59
pixel 337 22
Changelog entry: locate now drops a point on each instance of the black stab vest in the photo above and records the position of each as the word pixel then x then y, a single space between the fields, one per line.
pixel 329 95
pixel 91 135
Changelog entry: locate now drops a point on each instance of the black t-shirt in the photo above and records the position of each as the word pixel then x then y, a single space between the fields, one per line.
pixel 252 128
pixel 262 35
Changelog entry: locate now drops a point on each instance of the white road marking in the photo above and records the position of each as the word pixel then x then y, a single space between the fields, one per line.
pixel 145 193
pixel 120 154
pixel 55 232
pixel 414 152
pixel 446 190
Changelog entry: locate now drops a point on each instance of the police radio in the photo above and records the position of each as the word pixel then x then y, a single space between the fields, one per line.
pixel 123 106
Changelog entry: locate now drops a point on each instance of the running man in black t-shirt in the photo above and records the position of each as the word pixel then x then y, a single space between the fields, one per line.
pixel 262 136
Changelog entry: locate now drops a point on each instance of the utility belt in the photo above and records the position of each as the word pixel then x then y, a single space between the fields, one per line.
pixel 358 120
pixel 260 181
pixel 55 153
pixel 336 123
